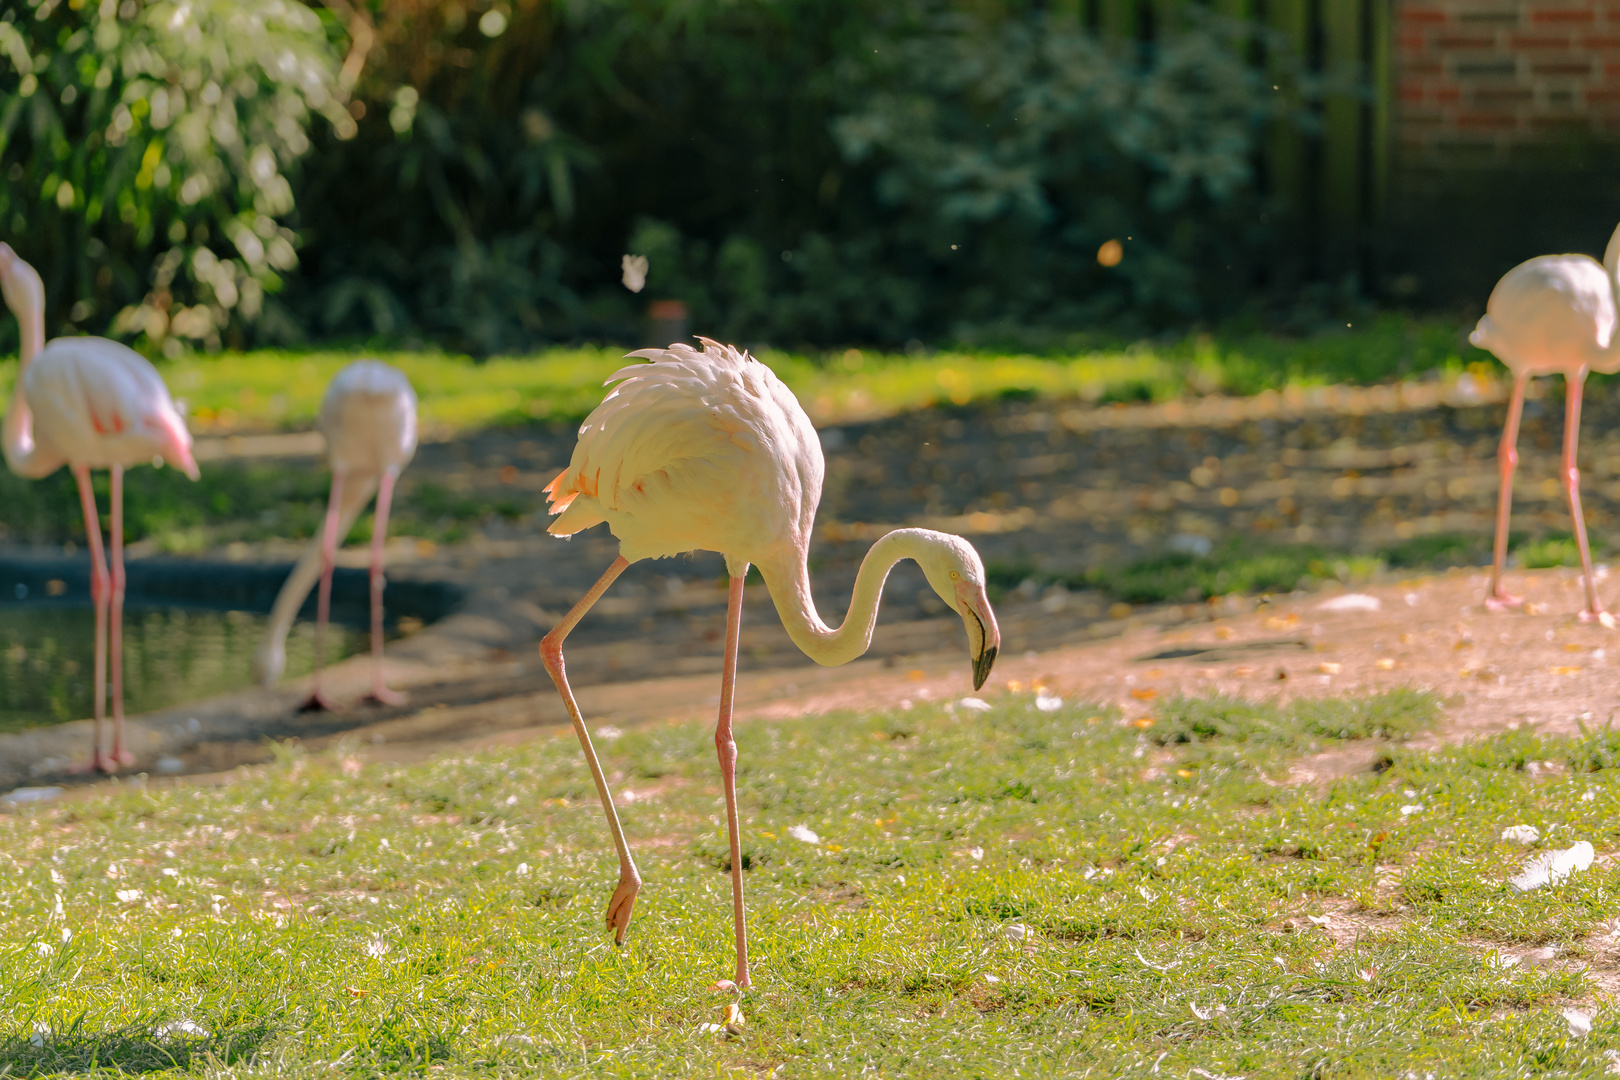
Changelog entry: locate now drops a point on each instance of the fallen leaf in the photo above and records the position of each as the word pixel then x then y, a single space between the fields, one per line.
pixel 1329 667
pixel 1566 670
pixel 1143 722
pixel 1156 967
pixel 1144 693
pixel 1351 602
pixel 1384 663
pixel 1553 867
pixel 1580 1023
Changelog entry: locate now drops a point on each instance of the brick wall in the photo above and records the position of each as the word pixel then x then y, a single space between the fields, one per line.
pixel 1487 81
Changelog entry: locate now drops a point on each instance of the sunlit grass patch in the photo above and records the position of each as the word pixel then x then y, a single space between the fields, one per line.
pixel 1241 564
pixel 933 892
pixel 274 389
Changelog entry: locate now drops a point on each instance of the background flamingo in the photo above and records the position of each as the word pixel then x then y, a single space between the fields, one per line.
pixel 1555 314
pixel 88 403
pixel 709 450
pixel 368 416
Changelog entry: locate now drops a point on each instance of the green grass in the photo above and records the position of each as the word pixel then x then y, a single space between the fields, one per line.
pixel 235 500
pixel 1242 565
pixel 1013 892
pixel 273 390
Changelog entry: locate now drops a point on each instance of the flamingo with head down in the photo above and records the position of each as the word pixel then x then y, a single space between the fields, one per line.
pixel 710 450
pixel 88 403
pixel 368 416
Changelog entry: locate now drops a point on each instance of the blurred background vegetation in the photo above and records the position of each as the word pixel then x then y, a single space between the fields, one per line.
pixel 197 173
pixel 809 174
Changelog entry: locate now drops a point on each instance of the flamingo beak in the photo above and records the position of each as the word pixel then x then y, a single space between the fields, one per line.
pixel 984 636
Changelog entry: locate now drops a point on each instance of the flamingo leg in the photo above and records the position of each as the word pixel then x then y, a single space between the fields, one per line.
pixel 380 693
pixel 115 619
pixel 623 901
pixel 726 747
pixel 1573 385
pixel 323 606
pixel 1499 599
pixel 100 594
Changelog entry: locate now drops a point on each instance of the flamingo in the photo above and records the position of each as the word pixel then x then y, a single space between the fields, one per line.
pixel 709 450
pixel 88 403
pixel 368 416
pixel 1555 314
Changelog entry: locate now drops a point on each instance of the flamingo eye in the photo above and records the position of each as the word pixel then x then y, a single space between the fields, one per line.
pixel 955 575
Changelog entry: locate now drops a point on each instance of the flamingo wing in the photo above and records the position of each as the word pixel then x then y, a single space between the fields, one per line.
pixel 692 450
pixel 99 403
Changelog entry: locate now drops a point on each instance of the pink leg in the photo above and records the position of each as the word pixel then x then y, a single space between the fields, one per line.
pixel 100 589
pixel 379 531
pixel 727 749
pixel 623 901
pixel 1498 598
pixel 115 619
pixel 1573 385
pixel 323 605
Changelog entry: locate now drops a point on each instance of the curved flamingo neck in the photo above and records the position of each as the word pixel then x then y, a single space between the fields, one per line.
pixel 270 659
pixel 789 586
pixel 17 429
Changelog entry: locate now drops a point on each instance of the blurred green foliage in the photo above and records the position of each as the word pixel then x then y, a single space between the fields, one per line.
pixel 146 146
pixel 798 171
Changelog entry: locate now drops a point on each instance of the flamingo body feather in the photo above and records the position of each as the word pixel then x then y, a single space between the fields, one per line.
pixel 1552 314
pixel 694 451
pixel 97 403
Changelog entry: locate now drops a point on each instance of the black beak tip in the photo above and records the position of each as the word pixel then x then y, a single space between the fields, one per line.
pixel 982 665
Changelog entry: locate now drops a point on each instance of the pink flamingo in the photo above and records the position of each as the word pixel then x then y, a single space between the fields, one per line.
pixel 368 416
pixel 1555 314
pixel 88 403
pixel 709 450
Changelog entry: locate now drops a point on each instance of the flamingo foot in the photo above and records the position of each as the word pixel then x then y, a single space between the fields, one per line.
pixel 621 905
pixel 318 702
pixel 1601 617
pixel 98 763
pixel 1501 601
pixel 381 695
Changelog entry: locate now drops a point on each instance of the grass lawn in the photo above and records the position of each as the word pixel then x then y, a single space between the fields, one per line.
pixel 1026 890
pixel 270 389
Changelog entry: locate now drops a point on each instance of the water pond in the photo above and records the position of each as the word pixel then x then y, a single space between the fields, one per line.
pixel 190 630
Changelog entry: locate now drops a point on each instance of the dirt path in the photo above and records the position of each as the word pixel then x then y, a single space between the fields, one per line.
pixel 1542 667
pixel 1051 487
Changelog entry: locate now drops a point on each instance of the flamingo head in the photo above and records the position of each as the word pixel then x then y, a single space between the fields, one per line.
pixel 956 573
pixel 20 283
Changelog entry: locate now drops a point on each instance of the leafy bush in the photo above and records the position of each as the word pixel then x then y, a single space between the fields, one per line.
pixel 1008 153
pixel 800 171
pixel 803 171
pixel 443 216
pixel 147 147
